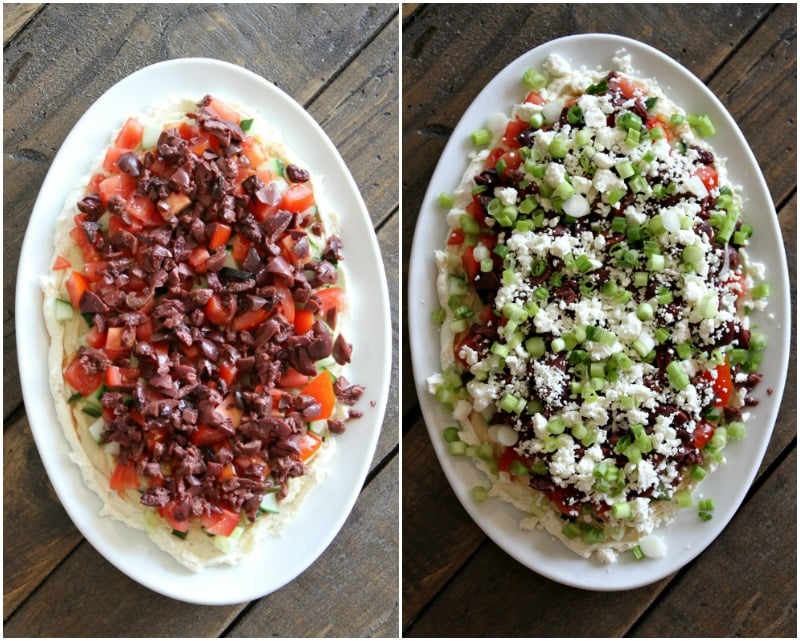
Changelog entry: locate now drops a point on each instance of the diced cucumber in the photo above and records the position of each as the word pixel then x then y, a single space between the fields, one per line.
pixel 64 310
pixel 230 261
pixel 326 363
pixel 96 429
pixel 228 543
pixel 150 135
pixel 270 503
pixel 318 427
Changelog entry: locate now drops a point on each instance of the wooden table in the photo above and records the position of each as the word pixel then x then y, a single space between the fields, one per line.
pixel 458 583
pixel 341 63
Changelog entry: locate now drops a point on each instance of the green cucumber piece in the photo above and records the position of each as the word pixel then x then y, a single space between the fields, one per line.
pixel 270 503
pixel 64 310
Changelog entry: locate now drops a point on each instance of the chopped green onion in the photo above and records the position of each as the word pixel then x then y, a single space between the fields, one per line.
pixel 706 505
pixel 621 510
pixel 762 290
pixel 645 312
pixel 479 493
pixel 481 137
pixel 445 200
pixel 450 434
pixel 534 79
pixel 736 430
pixel 701 124
pixel 684 499
pixel 678 378
pixel 557 148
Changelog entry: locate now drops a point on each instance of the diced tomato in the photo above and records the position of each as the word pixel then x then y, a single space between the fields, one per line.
pixel 224 111
pixel 262 211
pixel 114 340
pixel 219 236
pixel 240 247
pixel 121 185
pixel 168 514
pixel 469 339
pixel 494 156
pixel 130 136
pixel 77 284
pixel 471 266
pixel 456 237
pixel 177 202
pixel 186 130
pixel 81 381
pixel 287 243
pixel 564 498
pixel 119 376
pixel 708 175
pixel 115 224
pixel 153 436
pixel 205 435
pixel 303 321
pixel 144 331
pixel 737 282
pixel 216 313
pixel 308 442
pixel 534 98
pixel 222 524
pixel 509 161
pixel 321 388
pixel 94 269
pixel 124 477
pixel 96 338
pixel 228 471
pixel 198 259
pixel 250 319
pixel 513 129
pixel 626 86
pixel 252 149
pixel 79 238
pixel 722 383
pixel 142 209
pixel 228 372
pixel 94 183
pixel 113 154
pixel 292 378
pixel 703 432
pixel 475 209
pixel 332 298
pixel 286 304
pixel 297 197
pixel 508 456
pixel 61 263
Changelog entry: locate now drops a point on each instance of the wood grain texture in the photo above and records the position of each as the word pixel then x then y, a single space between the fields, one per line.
pixel 341 63
pixel 16 16
pixel 456 582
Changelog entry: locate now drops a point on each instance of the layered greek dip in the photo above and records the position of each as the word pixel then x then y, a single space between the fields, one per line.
pixel 195 308
pixel 595 288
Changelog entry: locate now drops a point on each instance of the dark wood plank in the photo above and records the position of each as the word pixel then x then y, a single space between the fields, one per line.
pixel 758 85
pixel 442 74
pixel 351 586
pixel 67 603
pixel 711 600
pixel 70 54
pixel 38 534
pixel 359 112
pixel 438 534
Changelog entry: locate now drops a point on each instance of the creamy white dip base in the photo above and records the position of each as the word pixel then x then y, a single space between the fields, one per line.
pixel 197 551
